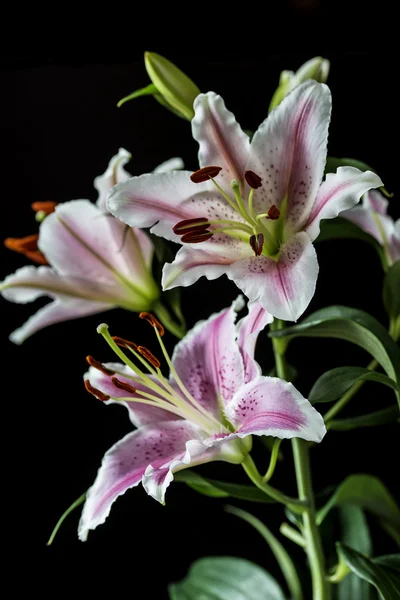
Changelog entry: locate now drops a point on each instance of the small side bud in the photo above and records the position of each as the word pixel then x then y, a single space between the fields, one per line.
pixel 205 174
pixel 253 180
pixel 177 91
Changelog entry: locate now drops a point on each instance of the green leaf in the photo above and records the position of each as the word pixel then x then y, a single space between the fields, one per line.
pixel 383 577
pixel 391 290
pixel 336 382
pixel 380 417
pixel 355 326
pixel 355 533
pixel 285 562
pixel 61 520
pixel 332 165
pixel 226 578
pixel 149 90
pixel 389 560
pixel 221 489
pixel 367 492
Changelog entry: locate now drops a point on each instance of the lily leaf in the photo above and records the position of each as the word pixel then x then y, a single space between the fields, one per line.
pixel 355 326
pixel 285 562
pixel 355 533
pixel 382 575
pixel 391 291
pixel 221 489
pixel 336 382
pixel 367 492
pixel 226 578
pixel 380 417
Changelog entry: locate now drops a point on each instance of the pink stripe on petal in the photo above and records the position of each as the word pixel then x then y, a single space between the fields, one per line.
pixel 283 287
pixel 124 465
pixel 271 406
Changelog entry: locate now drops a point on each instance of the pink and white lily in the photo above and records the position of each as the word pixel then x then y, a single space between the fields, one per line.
pixel 213 401
pixel 95 262
pixel 371 216
pixel 257 218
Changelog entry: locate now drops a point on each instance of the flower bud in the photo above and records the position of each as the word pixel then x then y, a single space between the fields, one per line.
pixel 177 91
pixel 316 68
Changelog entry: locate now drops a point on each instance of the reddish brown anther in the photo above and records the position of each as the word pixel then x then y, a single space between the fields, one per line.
pixel 257 243
pixel 253 179
pixel 95 392
pixel 153 322
pixel 46 207
pixel 28 247
pixel 98 365
pixel 204 174
pixel 189 225
pixel 274 213
pixel 196 238
pixel 124 343
pixel 149 356
pixel 121 385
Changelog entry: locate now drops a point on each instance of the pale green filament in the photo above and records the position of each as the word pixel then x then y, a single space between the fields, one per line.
pixel 235 207
pixel 235 186
pixel 250 204
pixel 171 402
pixel 181 386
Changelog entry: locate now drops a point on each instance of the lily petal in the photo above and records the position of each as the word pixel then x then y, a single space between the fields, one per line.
pixel 394 247
pixel 289 151
pixel 139 414
pixel 192 263
pixel 78 239
pixel 271 406
pixel 249 329
pixel 221 139
pixel 208 360
pixel 173 164
pixel 340 191
pixel 283 287
pixel 376 201
pixel 115 173
pixel 371 222
pixel 125 463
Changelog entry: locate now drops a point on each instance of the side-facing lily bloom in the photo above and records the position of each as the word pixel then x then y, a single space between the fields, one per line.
pixel 371 216
pixel 253 209
pixel 214 400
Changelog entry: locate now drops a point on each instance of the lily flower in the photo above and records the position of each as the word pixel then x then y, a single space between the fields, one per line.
pixel 213 402
pixel 116 173
pixel 371 216
pixel 253 209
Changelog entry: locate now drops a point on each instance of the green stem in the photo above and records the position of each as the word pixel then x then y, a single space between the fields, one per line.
pixel 292 535
pixel 273 459
pixel 337 407
pixel 313 544
pixel 297 506
pixel 169 324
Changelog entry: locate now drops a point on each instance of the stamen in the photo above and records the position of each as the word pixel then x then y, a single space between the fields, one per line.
pixel 121 385
pixel 46 207
pixel 196 238
pixel 124 343
pixel 153 321
pixel 253 179
pixel 98 365
pixel 149 356
pixel 257 243
pixel 189 225
pixel 204 174
pixel 273 213
pixel 95 392
pixel 28 247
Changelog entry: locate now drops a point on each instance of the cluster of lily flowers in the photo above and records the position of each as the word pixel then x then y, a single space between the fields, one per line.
pixel 251 211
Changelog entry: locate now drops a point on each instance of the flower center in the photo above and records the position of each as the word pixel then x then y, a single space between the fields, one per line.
pixel 254 229
pixel 150 386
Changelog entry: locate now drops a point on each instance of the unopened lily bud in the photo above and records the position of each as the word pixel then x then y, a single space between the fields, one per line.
pixel 177 91
pixel 316 68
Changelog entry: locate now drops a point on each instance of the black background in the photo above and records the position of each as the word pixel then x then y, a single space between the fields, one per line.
pixel 60 128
